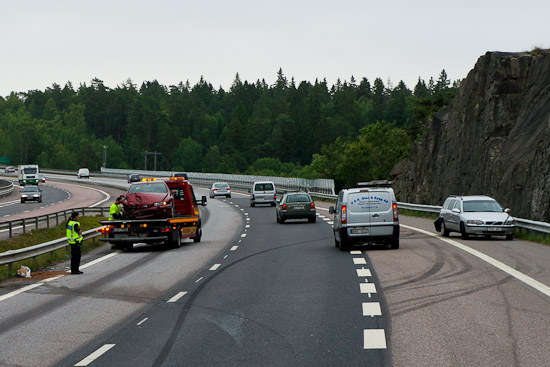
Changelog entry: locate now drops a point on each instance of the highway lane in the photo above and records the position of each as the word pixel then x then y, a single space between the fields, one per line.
pixel 278 295
pixel 49 322
pixel 287 296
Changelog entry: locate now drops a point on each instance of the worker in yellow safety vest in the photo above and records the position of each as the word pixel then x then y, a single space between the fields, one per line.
pixel 74 237
pixel 114 210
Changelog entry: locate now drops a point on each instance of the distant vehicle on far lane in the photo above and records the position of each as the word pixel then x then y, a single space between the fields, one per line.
pixel 41 178
pixel 83 172
pixel 220 189
pixel 9 169
pixel 134 177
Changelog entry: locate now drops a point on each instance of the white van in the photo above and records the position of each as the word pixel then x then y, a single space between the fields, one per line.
pixel 263 192
pixel 83 172
pixel 366 215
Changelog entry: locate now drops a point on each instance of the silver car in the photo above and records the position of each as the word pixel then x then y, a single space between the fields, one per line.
pixel 220 189
pixel 475 215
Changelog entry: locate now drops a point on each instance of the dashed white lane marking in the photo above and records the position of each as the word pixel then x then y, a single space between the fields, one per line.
pixel 543 288
pixel 359 260
pixel 374 339
pixel 198 280
pixel 95 355
pixel 142 321
pixel 355 252
pixel 247 218
pixel 243 235
pixel 176 297
pixel 247 226
pixel 234 248
pixel 372 309
pixel 367 288
pixel 215 267
pixel 326 219
pixel 363 272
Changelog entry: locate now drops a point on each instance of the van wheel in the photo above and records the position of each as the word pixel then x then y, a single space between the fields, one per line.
pixel 252 205
pixel 510 237
pixel 312 219
pixel 272 204
pixel 394 244
pixel 443 230
pixel 463 231
pixel 129 246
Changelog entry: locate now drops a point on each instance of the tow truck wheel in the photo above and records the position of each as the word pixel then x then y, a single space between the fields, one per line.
pixel 177 242
pixel 198 237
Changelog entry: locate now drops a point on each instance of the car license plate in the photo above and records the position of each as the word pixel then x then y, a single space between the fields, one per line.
pixel 493 229
pixel 120 230
pixel 298 208
pixel 360 231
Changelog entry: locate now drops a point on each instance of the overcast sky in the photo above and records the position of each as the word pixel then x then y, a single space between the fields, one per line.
pixel 55 41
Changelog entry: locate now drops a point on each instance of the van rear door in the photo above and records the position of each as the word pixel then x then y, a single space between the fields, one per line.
pixel 371 212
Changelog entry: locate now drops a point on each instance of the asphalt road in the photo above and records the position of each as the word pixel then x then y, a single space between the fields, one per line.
pixel 258 293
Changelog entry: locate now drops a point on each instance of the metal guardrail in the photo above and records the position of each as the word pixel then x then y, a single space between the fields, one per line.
pixel 6 188
pixel 243 182
pixel 47 219
pixel 12 256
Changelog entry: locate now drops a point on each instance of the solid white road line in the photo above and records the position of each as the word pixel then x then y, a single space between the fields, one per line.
pixel 374 339
pixel 176 297
pixel 95 355
pixel 543 288
pixel 359 260
pixel 371 309
pixel 21 290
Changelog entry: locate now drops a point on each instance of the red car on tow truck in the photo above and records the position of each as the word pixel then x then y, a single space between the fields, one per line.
pixel 156 211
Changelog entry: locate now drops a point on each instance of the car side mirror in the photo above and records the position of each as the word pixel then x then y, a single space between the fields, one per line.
pixel 456 211
pixel 203 200
pixel 331 210
pixel 507 211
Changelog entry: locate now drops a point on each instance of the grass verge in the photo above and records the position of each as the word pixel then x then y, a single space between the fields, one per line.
pixel 42 235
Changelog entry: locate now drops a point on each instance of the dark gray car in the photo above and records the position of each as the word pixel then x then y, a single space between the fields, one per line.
pixel 31 193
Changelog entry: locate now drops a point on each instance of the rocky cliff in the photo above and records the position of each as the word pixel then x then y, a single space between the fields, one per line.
pixel 493 139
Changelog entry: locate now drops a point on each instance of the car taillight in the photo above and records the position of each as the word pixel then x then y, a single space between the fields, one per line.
pixel 395 214
pixel 344 214
pixel 284 206
pixel 312 205
pixel 215 189
pixel 275 197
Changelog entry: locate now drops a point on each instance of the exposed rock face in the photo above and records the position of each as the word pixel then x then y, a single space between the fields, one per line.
pixel 493 139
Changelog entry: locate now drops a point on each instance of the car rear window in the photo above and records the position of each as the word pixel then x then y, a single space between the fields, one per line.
pixel 264 187
pixel 375 201
pixel 221 185
pixel 154 187
pixel 298 198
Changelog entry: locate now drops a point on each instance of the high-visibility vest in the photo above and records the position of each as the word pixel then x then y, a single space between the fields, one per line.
pixel 114 209
pixel 72 235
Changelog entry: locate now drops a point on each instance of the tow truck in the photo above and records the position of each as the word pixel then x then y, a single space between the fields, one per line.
pixel 156 212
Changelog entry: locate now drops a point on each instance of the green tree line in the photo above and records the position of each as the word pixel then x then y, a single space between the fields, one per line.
pixel 350 130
